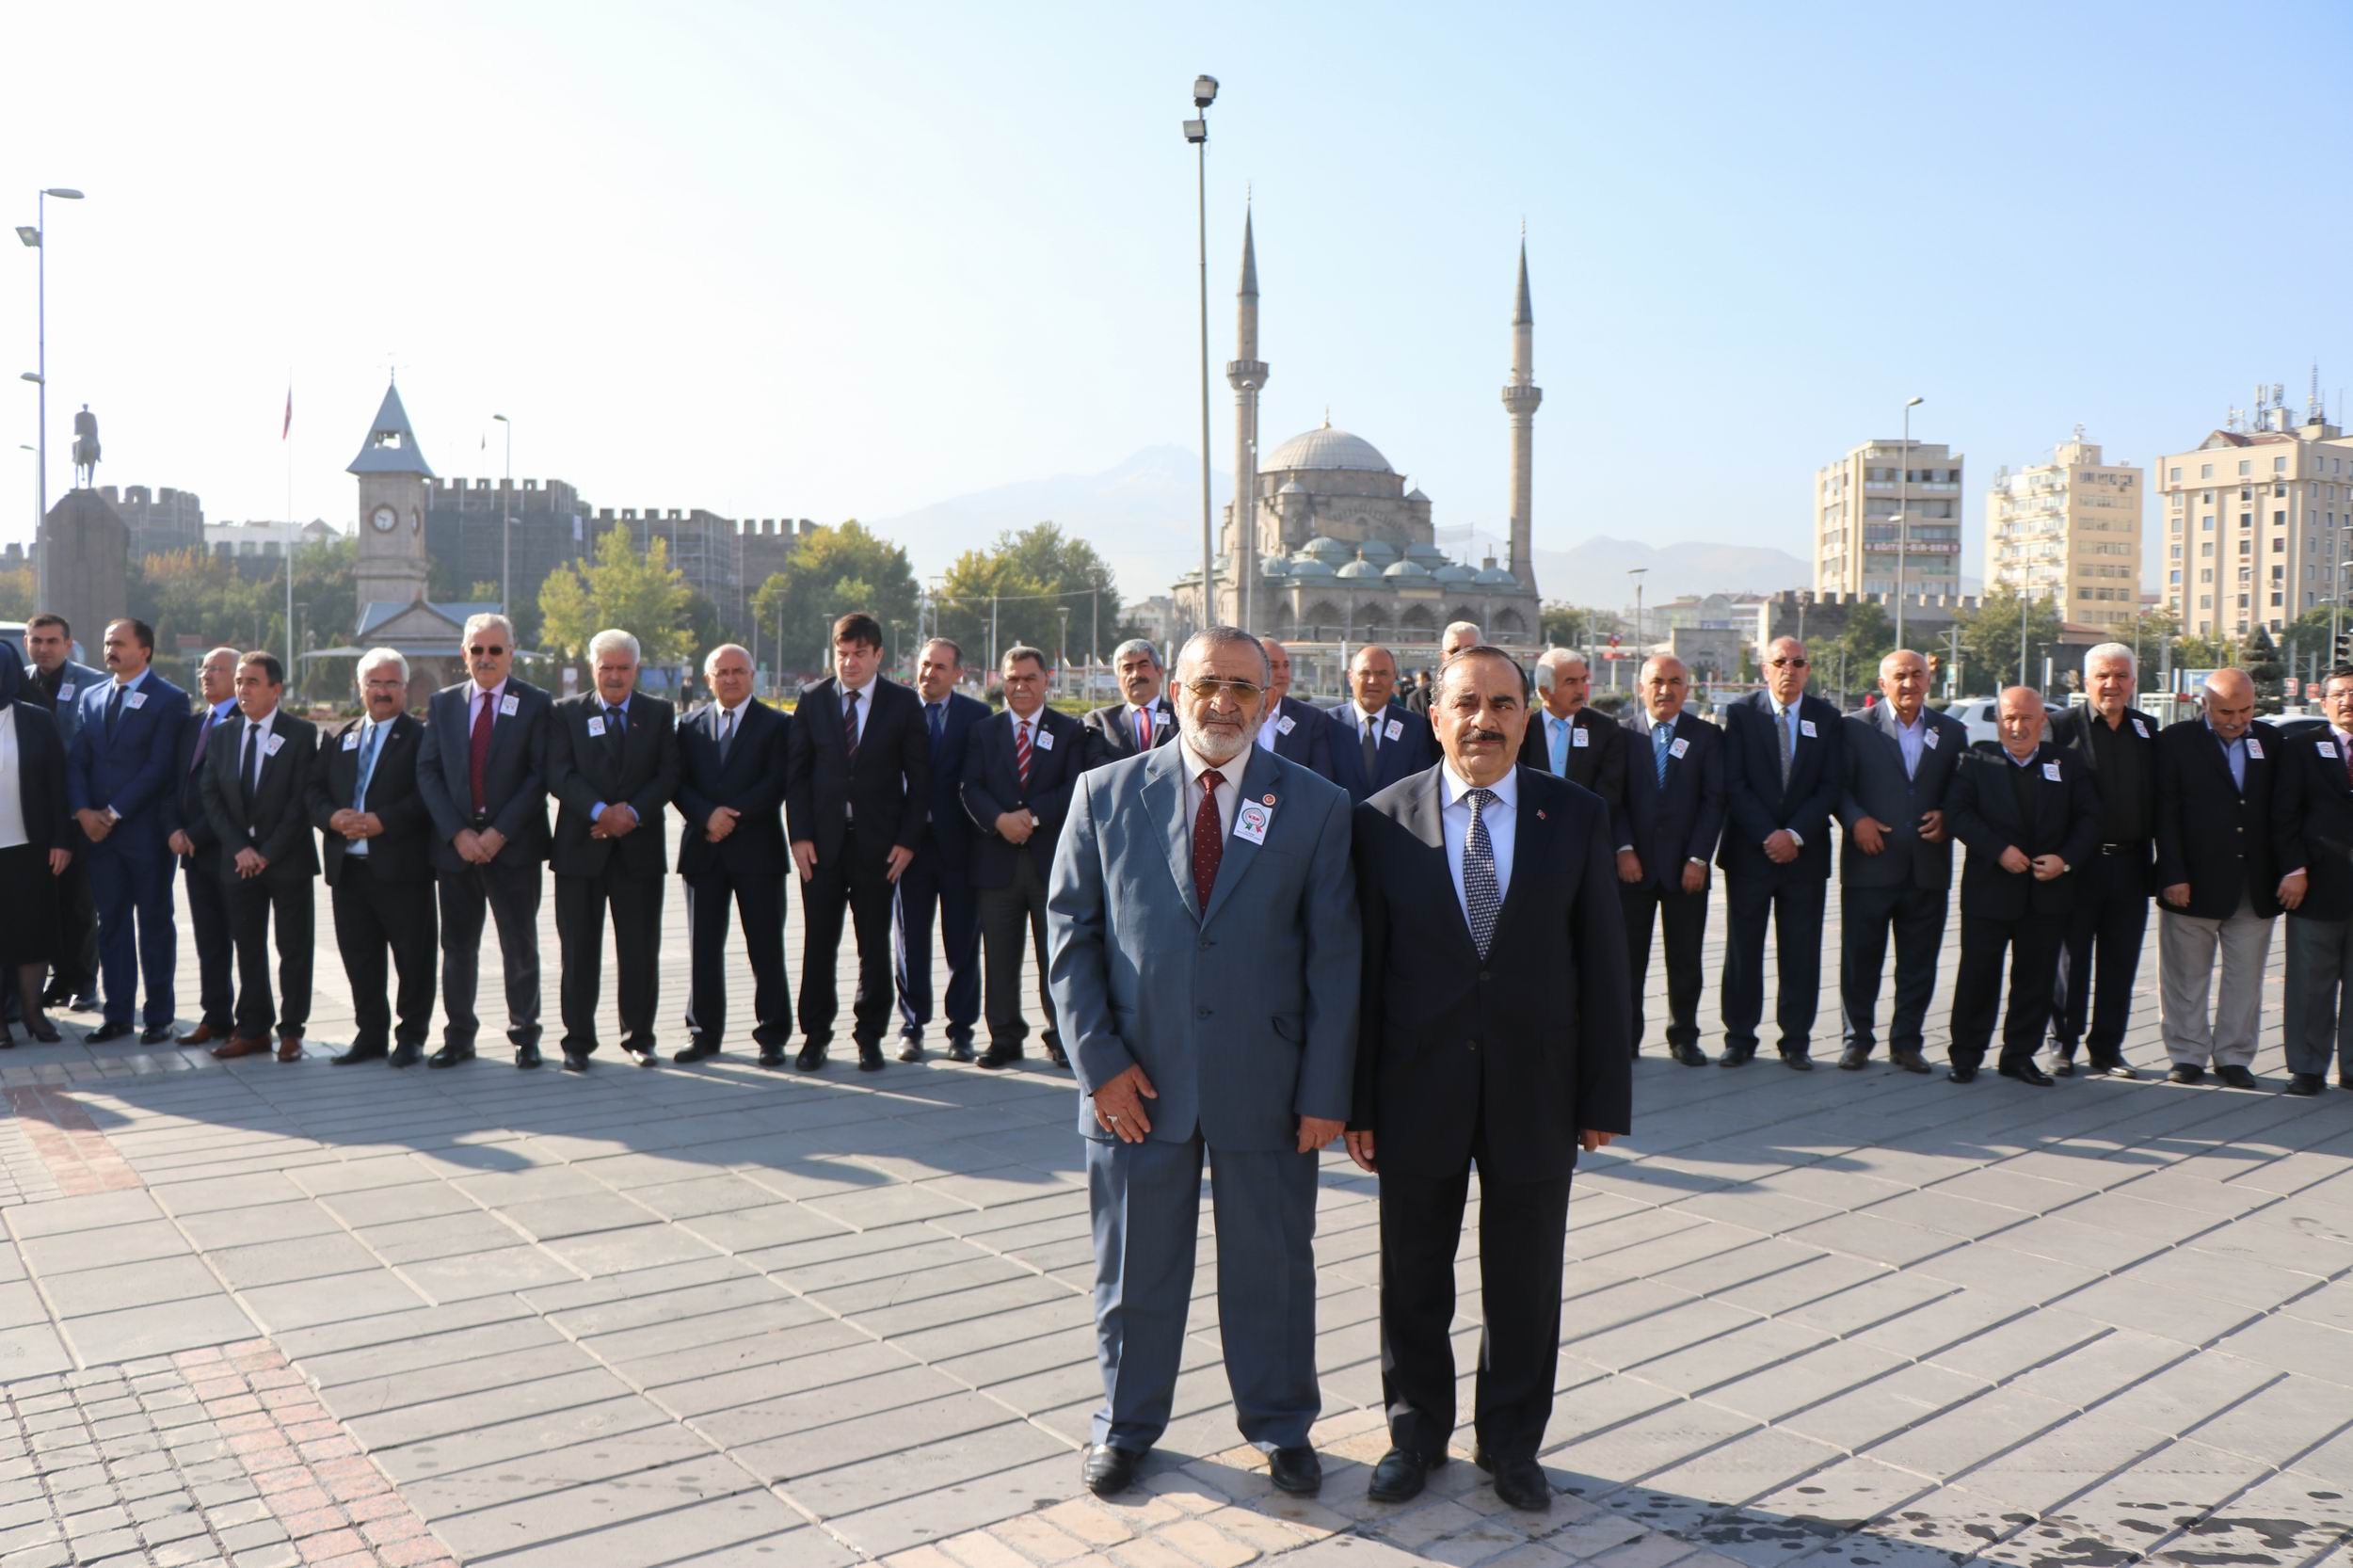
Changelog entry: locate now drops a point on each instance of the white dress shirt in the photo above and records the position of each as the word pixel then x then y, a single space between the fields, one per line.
pixel 11 784
pixel 1376 722
pixel 1160 721
pixel 261 728
pixel 1786 720
pixel 1228 792
pixel 1501 816
pixel 368 726
pixel 1270 729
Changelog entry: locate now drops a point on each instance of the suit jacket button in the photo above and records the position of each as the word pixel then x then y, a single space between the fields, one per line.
pixel 1201 1012
pixel 1483 974
pixel 1472 1044
pixel 1206 944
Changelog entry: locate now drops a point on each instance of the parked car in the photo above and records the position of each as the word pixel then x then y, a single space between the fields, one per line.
pixel 1978 714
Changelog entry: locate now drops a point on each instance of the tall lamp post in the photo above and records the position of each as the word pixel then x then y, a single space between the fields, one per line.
pixel 507 523
pixel 36 236
pixel 1197 133
pixel 1903 523
pixel 1636 573
pixel 2336 599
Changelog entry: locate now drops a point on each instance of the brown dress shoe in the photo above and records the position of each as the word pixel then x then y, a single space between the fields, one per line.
pixel 237 1046
pixel 290 1048
pixel 201 1035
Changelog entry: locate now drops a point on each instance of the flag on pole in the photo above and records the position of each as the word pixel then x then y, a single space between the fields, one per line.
pixel 287 429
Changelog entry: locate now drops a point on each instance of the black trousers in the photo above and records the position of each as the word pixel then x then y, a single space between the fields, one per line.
pixel 216 949
pixel 1916 915
pixel 1685 916
pixel 76 967
pixel 2101 955
pixel 758 898
pixel 1012 918
pixel 254 901
pixel 2032 943
pixel 858 884
pixel 510 894
pixel 580 903
pixel 1795 905
pixel 377 917
pixel 922 889
pixel 1523 1232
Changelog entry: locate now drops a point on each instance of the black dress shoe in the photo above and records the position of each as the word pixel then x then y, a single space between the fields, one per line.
pixel 2025 1071
pixel 869 1056
pixel 1000 1056
pixel 2344 1080
pixel 575 1060
pixel 771 1056
pixel 702 1050
pixel 1797 1060
pixel 1521 1483
pixel 1106 1470
pixel 1690 1055
pixel 1733 1056
pixel 2185 1072
pixel 1854 1059
pixel 358 1054
pixel 526 1057
pixel 159 1034
pixel 405 1055
pixel 1400 1475
pixel 106 1033
pixel 910 1048
pixel 642 1056
pixel 812 1056
pixel 2062 1066
pixel 1962 1072
pixel 2110 1069
pixel 1296 1471
pixel 449 1056
pixel 1058 1057
pixel 959 1051
pixel 2237 1077
pixel 2303 1083
pixel 1910 1060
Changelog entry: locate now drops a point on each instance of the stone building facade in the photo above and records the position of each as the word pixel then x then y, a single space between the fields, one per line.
pixel 160 519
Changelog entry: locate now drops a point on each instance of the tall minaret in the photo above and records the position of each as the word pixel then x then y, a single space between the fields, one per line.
pixel 1519 400
pixel 1246 373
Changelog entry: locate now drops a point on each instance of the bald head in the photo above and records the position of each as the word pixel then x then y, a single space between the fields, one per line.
pixel 1665 685
pixel 2020 716
pixel 2229 702
pixel 1371 677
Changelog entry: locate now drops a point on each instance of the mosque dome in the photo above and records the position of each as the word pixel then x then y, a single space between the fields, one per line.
pixel 1427 554
pixel 1327 448
pixel 1309 567
pixel 1274 565
pixel 1361 569
pixel 1379 552
pixel 1407 570
pixel 1327 549
pixel 1497 577
pixel 1454 571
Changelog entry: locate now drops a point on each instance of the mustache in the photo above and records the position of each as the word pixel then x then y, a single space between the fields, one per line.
pixel 1496 735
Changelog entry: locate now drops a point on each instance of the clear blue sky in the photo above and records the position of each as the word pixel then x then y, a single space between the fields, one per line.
pixel 849 259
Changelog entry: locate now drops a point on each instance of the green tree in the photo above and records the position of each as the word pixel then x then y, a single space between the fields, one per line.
pixel 831 572
pixel 1851 658
pixel 188 593
pixel 1027 577
pixel 1568 625
pixel 1988 638
pixel 17 589
pixel 641 594
pixel 2263 667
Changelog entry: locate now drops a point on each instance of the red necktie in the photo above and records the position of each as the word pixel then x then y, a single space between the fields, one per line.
pixel 1021 752
pixel 478 754
pixel 1144 729
pixel 1209 840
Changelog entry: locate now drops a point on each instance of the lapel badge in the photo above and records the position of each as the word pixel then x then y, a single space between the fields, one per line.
pixel 1539 813
pixel 1269 798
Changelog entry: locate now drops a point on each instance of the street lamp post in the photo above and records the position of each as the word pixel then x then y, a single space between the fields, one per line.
pixel 1197 133
pixel 1062 647
pixel 1903 523
pixel 2335 614
pixel 1636 573
pixel 36 237
pixel 506 524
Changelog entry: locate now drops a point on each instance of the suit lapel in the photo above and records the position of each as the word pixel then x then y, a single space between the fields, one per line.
pixel 1258 775
pixel 1425 818
pixel 1165 803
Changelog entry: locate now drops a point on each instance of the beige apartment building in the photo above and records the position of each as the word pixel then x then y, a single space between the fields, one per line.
pixel 2258 521
pixel 2067 532
pixel 1856 535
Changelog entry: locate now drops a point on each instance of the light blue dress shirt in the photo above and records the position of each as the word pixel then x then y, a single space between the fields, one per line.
pixel 2234 752
pixel 1502 817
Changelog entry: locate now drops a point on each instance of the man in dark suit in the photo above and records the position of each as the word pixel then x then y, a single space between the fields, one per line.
pixel 941 875
pixel 1502 874
pixel 1292 729
pixel 2115 743
pixel 481 770
pixel 257 791
pixel 1017 774
pixel 54 684
pixel 2312 797
pixel 192 839
pixel 1674 809
pixel 1374 741
pixel 858 782
pixel 730 792
pixel 1785 768
pixel 379 863
pixel 1897 869
pixel 1140 723
pixel 612 767
pixel 119 785
pixel 1567 739
pixel 2031 819
pixel 2218 875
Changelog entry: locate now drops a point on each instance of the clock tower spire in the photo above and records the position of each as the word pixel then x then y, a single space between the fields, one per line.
pixel 394 482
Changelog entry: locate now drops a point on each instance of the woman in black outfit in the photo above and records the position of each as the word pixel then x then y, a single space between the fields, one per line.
pixel 37 843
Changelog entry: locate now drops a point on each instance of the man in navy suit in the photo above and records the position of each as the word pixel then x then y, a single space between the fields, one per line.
pixel 1567 739
pixel 1017 776
pixel 940 876
pixel 730 790
pixel 120 784
pixel 1292 729
pixel 1674 807
pixel 192 839
pixel 1143 721
pixel 1784 766
pixel 54 683
pixel 1375 741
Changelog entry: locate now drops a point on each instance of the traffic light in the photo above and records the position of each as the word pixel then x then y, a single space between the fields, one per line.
pixel 2344 646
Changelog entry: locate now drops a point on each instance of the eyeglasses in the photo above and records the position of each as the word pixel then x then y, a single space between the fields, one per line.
pixel 1786 663
pixel 486 650
pixel 1238 690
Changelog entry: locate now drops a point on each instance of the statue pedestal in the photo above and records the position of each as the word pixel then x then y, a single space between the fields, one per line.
pixel 84 564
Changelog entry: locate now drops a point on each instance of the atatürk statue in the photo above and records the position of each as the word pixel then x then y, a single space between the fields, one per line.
pixel 85 448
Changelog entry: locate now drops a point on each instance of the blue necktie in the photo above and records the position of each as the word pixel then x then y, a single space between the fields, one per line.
pixel 938 723
pixel 1560 728
pixel 367 766
pixel 1658 736
pixel 114 709
pixel 1481 895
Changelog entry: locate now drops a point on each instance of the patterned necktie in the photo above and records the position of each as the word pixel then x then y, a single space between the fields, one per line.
pixel 1787 723
pixel 849 722
pixel 1021 752
pixel 1482 896
pixel 1208 841
pixel 1658 736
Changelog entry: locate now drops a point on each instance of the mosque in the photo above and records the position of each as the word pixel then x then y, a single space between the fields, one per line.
pixel 1338 552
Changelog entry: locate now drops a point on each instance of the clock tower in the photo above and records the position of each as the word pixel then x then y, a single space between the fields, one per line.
pixel 394 482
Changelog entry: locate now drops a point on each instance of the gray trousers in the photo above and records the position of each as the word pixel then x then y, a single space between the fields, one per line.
pixel 509 895
pixel 1146 1199
pixel 2319 1014
pixel 2224 1032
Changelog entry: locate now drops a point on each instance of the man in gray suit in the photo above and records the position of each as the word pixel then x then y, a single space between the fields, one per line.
pixel 1204 956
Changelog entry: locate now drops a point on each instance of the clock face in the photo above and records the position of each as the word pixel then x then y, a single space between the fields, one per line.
pixel 385 519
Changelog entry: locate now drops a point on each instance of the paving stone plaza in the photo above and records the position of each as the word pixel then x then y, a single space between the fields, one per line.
pixel 274 1314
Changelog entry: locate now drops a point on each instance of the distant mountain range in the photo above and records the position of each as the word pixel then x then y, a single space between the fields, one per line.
pixel 1594 572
